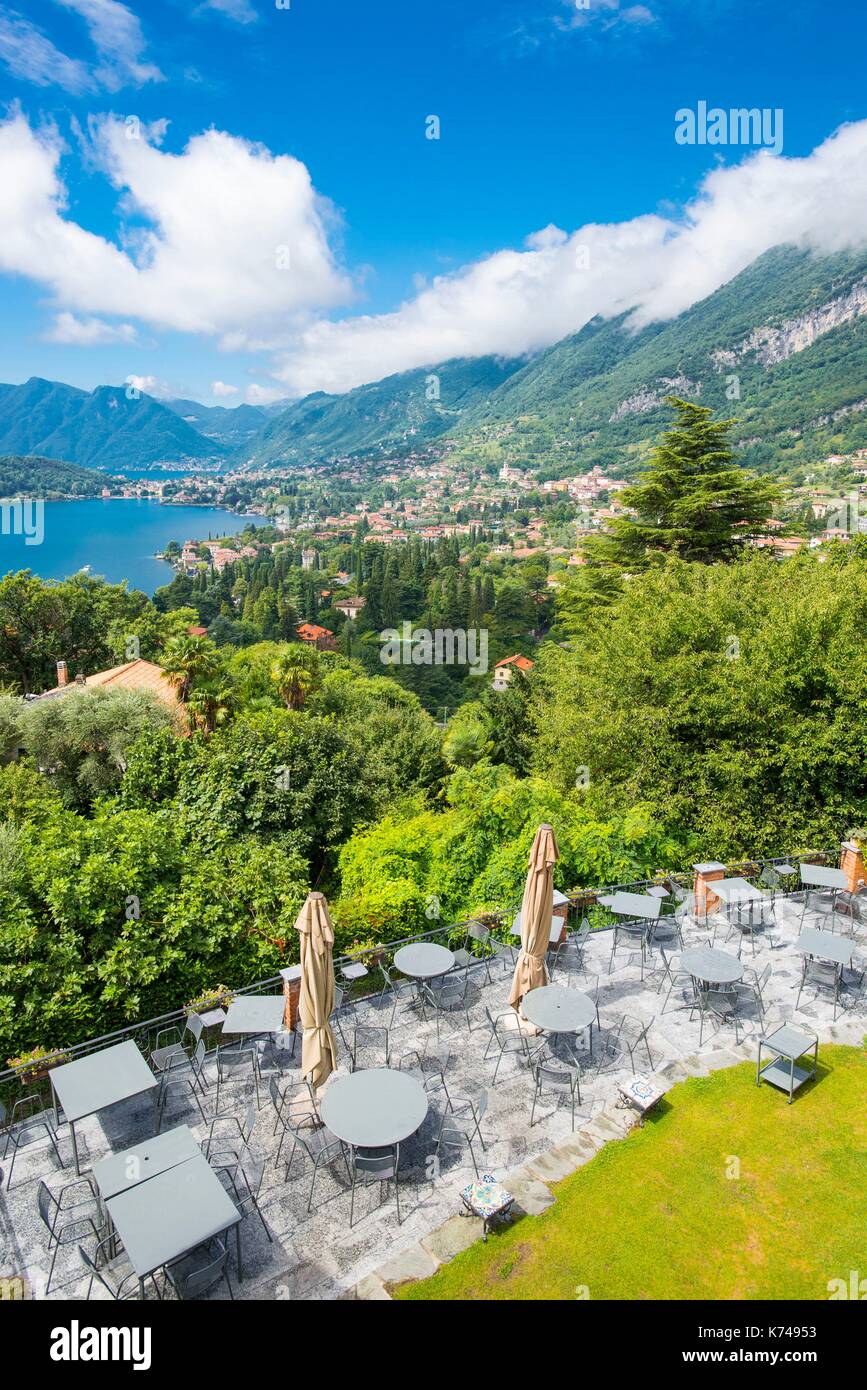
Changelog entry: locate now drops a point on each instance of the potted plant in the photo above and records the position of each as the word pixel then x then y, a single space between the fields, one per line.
pixel 857 836
pixel 35 1064
pixel 220 997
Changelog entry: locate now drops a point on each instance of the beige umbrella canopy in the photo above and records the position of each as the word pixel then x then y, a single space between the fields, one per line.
pixel 318 1050
pixel 536 911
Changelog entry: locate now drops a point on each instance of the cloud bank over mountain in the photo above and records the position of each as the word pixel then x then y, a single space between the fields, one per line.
pixel 226 239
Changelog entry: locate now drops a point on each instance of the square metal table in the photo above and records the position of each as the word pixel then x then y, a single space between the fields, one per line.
pixel 820 876
pixel 144 1161
pixel 554 933
pixel 825 945
pixel 787 1044
pixel 737 890
pixel 632 904
pixel 255 1013
pixel 171 1213
pixel 93 1083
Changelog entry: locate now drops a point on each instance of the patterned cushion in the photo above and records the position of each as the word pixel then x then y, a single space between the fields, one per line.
pixel 487 1197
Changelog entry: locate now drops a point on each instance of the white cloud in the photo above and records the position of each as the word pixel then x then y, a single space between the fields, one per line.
pixel 115 33
pixel 222 388
pixel 87 332
pixel 117 36
pixel 240 10
pixel 515 302
pixel 236 246
pixel 263 395
pixel 151 386
pixel 236 241
pixel 31 56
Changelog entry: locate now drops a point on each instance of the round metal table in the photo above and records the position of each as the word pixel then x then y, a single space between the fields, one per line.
pixel 424 960
pixel 556 1009
pixel 712 967
pixel 374 1109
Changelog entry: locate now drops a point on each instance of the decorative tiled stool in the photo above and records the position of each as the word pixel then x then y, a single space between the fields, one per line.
pixel 487 1199
pixel 639 1093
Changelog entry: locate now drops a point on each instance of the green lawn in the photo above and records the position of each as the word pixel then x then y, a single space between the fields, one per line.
pixel 656 1216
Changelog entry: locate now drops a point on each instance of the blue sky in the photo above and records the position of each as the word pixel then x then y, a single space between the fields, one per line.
pixel 552 116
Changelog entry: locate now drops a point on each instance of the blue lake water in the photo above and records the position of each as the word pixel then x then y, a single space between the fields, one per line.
pixel 117 538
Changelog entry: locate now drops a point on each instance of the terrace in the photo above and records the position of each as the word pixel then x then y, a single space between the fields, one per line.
pixel 289 1252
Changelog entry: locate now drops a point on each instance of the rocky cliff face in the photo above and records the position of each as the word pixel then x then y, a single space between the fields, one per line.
pixel 774 344
pixel 648 399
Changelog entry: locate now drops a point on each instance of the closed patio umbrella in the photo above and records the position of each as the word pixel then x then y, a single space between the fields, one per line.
pixel 536 908
pixel 318 1049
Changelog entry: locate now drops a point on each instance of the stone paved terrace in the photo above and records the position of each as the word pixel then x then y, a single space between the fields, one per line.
pixel 317 1256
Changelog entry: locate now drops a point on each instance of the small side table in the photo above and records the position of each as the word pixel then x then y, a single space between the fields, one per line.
pixel 214 1018
pixel 787 1045
pixel 639 1093
pixel 487 1199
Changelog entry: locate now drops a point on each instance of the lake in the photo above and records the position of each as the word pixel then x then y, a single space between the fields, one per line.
pixel 117 538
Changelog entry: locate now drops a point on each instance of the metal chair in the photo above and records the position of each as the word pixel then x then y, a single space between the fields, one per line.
pixel 339 1005
pixel 233 1060
pixel 187 1075
pixel 246 1181
pixel 403 993
pixel 505 953
pixel 239 1147
pixel 628 1037
pixel 431 1077
pixel 114 1274
pixel 352 975
pixel 562 1078
pixel 52 1210
pixel 297 1099
pixel 320 1146
pixel 823 975
pixel 375 1166
pixel 665 931
pixel 751 988
pixel 194 1275
pixel 464 957
pixel 448 996
pixel 553 954
pixel 373 1036
pixel 630 931
pixel 576 943
pixel 177 1045
pixel 721 1004
pixel 678 979
pixel 507 1035
pixel 464 1124
pixel 28 1114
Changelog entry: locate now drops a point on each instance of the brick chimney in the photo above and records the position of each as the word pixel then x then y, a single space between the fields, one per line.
pixel 852 864
pixel 292 995
pixel 706 901
pixel 62 673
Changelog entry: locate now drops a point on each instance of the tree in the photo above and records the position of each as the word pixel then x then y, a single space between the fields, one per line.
pixel 211 703
pixel 82 738
pixel 296 673
pixel 187 660
pixel 727 698
pixel 691 501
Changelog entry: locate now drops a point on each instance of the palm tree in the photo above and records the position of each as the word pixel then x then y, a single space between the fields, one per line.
pixel 296 674
pixel 188 660
pixel 210 705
